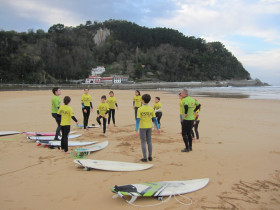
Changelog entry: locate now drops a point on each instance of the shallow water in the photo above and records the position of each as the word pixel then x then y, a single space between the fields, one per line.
pixel 263 92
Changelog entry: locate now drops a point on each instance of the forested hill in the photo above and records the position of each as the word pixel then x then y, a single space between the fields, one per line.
pixel 68 53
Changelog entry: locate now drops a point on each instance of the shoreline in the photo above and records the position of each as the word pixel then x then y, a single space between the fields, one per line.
pixel 248 92
pixel 141 86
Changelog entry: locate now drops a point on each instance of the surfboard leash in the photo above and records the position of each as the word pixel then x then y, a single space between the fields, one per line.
pixel 135 205
pixel 186 204
pixel 159 198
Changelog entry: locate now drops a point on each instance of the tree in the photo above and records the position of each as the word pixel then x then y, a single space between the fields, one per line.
pixel 56 28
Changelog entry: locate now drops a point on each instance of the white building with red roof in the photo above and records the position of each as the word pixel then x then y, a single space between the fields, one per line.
pixel 96 79
pixel 93 79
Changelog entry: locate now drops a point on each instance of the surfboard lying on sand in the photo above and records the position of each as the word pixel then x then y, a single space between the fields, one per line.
pixel 111 165
pixel 6 133
pixel 44 133
pixel 94 147
pixel 50 138
pixel 160 189
pixel 89 126
pixel 82 152
pixel 70 143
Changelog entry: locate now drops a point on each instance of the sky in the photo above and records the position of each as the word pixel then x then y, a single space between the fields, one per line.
pixel 250 29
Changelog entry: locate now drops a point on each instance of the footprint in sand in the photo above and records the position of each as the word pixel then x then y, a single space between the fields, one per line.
pixel 252 193
pixel 125 144
pixel 176 164
pixel 274 152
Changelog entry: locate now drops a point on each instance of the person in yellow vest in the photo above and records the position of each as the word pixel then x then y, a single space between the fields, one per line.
pixel 86 106
pixel 112 101
pixel 66 113
pixel 158 109
pixel 137 102
pixel 145 114
pixel 102 111
pixel 196 123
pixel 55 107
pixel 189 107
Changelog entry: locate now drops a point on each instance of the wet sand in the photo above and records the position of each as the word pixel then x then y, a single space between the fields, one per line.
pixel 239 150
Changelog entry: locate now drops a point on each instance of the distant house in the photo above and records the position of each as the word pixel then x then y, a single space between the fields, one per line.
pixel 118 79
pixel 107 80
pixel 93 79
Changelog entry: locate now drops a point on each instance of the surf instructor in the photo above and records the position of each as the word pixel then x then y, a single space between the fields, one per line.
pixel 189 106
pixel 55 107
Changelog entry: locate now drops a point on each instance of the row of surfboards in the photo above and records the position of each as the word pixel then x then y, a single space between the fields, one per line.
pixel 149 189
pixel 6 133
pixel 47 138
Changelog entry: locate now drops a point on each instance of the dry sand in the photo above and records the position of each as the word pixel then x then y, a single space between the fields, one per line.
pixel 239 150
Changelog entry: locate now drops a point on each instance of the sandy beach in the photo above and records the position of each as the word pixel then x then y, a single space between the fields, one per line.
pixel 239 150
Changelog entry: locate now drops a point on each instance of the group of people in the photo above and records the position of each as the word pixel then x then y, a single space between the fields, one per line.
pixel 63 114
pixel 146 117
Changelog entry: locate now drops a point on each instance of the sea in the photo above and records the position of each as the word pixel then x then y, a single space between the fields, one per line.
pixel 259 92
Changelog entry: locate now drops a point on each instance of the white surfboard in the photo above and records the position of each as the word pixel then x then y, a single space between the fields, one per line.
pixel 93 148
pixel 50 138
pixel 82 152
pixel 71 143
pixel 44 133
pixel 111 165
pixel 89 126
pixel 6 133
pixel 158 189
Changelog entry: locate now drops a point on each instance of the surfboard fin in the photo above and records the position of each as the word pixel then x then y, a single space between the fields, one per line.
pixel 87 169
pixel 115 196
pixel 133 198
pixel 160 198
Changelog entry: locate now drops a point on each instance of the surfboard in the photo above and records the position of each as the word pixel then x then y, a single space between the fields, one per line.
pixel 6 133
pixel 44 133
pixel 160 189
pixel 50 138
pixel 82 152
pixel 89 126
pixel 107 165
pixel 70 143
pixel 94 147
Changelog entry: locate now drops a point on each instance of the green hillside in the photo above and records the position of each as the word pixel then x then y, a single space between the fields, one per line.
pixel 68 53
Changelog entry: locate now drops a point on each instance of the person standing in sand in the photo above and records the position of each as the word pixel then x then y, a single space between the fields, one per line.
pixel 137 102
pixel 181 108
pixel 112 102
pixel 55 107
pixel 102 111
pixel 158 109
pixel 66 113
pixel 86 107
pixel 188 108
pixel 145 114
pixel 196 123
